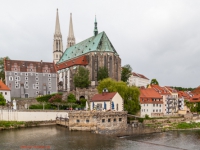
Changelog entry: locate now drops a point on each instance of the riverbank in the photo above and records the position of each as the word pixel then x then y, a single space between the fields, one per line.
pixel 5 125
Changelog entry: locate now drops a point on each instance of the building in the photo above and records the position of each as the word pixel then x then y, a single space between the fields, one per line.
pixel 151 103
pixel 5 91
pixel 107 101
pixel 138 80
pixel 30 78
pixel 95 52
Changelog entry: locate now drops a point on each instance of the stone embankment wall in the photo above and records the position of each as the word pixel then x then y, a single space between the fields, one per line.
pixel 95 121
pixel 31 115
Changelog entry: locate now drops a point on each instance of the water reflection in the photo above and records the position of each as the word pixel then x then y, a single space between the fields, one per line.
pixel 59 138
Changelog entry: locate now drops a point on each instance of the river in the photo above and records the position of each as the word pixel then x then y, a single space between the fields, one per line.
pixel 60 138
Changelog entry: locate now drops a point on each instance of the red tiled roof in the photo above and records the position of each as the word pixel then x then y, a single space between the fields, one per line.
pixel 150 96
pixel 196 90
pixel 160 90
pixel 82 60
pixel 26 66
pixel 139 75
pixel 149 93
pixel 3 86
pixel 103 96
pixel 183 94
pixel 195 98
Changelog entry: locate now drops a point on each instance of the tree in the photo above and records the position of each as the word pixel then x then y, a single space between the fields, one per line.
pixel 56 100
pixel 154 81
pixel 2 100
pixel 130 95
pixel 126 72
pixel 102 73
pixel 2 72
pixel 81 78
pixel 71 98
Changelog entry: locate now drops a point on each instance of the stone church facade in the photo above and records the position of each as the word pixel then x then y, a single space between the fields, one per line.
pixel 92 53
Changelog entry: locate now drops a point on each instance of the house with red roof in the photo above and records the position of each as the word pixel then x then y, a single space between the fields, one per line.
pixel 5 91
pixel 107 101
pixel 138 80
pixel 151 103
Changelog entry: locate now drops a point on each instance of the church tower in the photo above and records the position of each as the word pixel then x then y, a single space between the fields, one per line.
pixel 71 39
pixel 57 43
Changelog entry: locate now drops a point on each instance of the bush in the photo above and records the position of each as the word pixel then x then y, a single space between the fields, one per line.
pixel 147 116
pixel 40 106
pixel 45 98
pixel 71 98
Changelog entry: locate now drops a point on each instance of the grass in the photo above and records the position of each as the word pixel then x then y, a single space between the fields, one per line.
pixel 7 124
pixel 185 125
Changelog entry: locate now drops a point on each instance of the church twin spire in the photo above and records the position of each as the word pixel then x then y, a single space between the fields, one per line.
pixel 71 39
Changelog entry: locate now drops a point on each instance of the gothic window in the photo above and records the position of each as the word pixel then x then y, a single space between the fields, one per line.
pixel 56 56
pixel 56 45
pixel 110 66
pixel 93 67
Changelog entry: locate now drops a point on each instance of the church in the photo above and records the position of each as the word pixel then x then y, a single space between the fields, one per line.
pixel 92 53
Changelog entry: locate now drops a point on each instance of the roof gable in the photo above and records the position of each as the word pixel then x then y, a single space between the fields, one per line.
pixel 3 86
pixel 103 96
pixel 98 43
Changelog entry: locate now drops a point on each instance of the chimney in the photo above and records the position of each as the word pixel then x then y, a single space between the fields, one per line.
pixel 105 90
pixel 41 61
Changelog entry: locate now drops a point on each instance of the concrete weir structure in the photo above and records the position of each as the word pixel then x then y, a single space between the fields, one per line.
pixel 95 120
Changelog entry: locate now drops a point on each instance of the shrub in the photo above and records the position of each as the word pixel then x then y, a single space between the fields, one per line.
pixel 45 98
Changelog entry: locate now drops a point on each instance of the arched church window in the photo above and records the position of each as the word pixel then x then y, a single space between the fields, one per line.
pixel 56 56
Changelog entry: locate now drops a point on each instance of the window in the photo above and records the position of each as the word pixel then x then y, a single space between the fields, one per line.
pixel 36 74
pixel 114 120
pixel 26 82
pixel 103 120
pixel 147 104
pixel 144 104
pixel 49 79
pixel 33 86
pixel 77 120
pixel 156 104
pixel 49 75
pixel 37 87
pixel 147 110
pixel 15 73
pixel 156 110
pixel 26 74
pixel 5 93
pixel 160 105
pixel 16 78
pixel 16 82
pixel 49 87
pixel 37 83
pixel 49 83
pixel 160 110
pixel 144 110
pixel 108 120
pixel 120 119
pixel 36 78
pixel 153 110
pixel 37 92
pixel 87 121
pixel 26 78
pixel 17 86
pixel 26 86
pixel 10 78
pixel 153 105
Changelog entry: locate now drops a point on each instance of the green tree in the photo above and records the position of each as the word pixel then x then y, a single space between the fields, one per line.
pixel 102 73
pixel 126 72
pixel 81 78
pixel 2 100
pixel 154 81
pixel 2 73
pixel 71 98
pixel 130 95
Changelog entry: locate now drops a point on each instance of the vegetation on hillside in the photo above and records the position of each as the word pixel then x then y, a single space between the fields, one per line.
pixel 81 78
pixel 2 73
pixel 126 73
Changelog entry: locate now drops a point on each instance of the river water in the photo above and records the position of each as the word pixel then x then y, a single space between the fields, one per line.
pixel 60 138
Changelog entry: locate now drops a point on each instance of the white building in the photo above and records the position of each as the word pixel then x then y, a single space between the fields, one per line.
pixel 151 103
pixel 5 91
pixel 138 80
pixel 107 101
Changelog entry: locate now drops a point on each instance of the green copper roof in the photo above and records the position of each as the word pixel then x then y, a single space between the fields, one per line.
pixel 98 43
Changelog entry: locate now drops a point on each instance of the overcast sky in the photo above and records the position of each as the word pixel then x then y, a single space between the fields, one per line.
pixel 158 38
